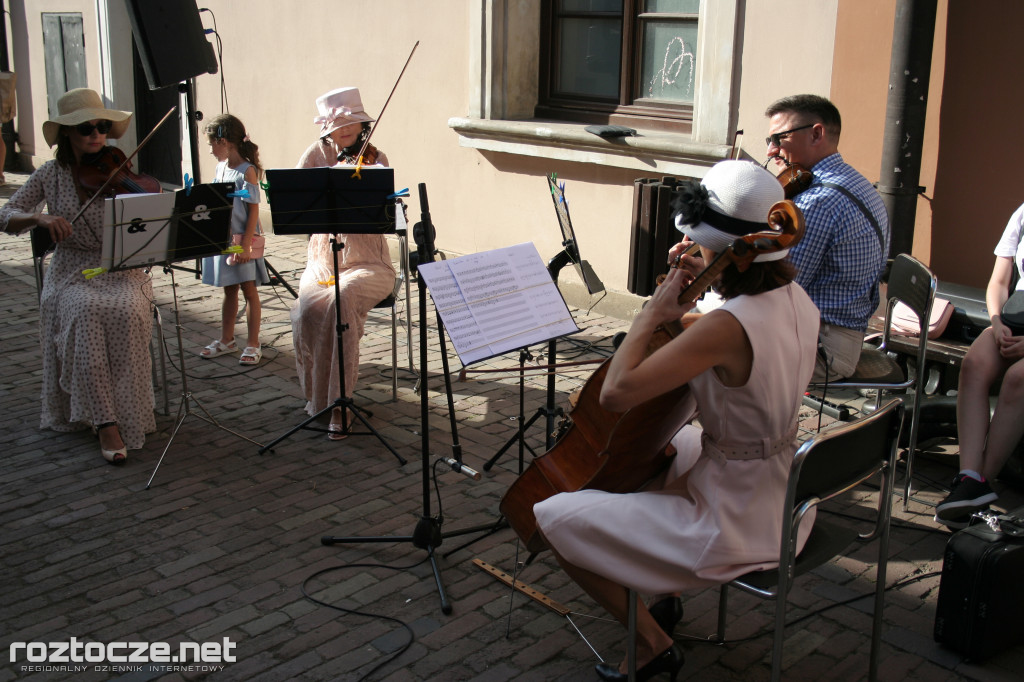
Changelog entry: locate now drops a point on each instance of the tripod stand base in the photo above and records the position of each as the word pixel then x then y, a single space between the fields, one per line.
pixel 421 529
pixel 276 278
pixel 184 412
pixel 428 536
pixel 349 407
pixel 520 435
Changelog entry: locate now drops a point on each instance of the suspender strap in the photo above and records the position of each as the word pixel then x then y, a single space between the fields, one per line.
pixel 863 209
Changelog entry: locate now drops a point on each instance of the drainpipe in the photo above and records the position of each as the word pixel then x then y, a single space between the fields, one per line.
pixel 909 70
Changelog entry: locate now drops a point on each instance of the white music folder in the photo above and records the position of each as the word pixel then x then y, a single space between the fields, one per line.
pixel 136 230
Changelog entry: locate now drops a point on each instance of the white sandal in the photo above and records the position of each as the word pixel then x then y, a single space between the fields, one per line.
pixel 251 356
pixel 216 348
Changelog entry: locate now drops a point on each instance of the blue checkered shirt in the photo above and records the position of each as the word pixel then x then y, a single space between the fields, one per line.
pixel 840 259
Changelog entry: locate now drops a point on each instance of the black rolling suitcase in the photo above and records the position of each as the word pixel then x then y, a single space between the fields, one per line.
pixel 981 593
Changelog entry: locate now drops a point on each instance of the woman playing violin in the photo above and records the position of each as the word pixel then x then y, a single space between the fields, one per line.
pixel 716 513
pixel 366 275
pixel 94 333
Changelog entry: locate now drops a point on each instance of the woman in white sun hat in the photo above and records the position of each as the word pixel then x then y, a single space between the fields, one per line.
pixel 94 333
pixel 716 514
pixel 366 275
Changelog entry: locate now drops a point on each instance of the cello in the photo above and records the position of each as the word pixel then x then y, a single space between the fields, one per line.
pixel 620 452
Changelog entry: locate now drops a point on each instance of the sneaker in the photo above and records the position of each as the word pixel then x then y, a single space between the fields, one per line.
pixel 953 525
pixel 966 496
pixel 964 521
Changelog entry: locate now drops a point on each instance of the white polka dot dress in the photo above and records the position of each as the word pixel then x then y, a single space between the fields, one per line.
pixel 94 333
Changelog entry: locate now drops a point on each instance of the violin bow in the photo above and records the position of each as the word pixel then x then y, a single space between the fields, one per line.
pixel 124 163
pixel 737 140
pixel 366 142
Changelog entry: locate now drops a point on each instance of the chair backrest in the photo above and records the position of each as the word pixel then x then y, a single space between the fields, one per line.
pixel 838 459
pixel 41 241
pixel 42 244
pixel 914 285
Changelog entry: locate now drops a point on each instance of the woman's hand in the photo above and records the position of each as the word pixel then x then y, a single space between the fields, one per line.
pixel 1010 347
pixel 58 226
pixel 664 304
pixel 676 252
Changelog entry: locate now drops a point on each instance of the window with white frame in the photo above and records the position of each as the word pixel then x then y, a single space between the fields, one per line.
pixel 540 70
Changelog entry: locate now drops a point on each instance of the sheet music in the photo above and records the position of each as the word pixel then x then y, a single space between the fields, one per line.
pixel 497 301
pixel 136 230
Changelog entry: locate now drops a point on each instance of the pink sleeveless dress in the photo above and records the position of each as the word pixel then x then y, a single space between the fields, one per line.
pixel 720 512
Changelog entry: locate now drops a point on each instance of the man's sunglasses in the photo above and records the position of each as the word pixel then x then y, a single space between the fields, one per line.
pixel 85 129
pixel 775 139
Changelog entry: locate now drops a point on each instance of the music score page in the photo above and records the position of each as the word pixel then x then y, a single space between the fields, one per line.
pixel 497 301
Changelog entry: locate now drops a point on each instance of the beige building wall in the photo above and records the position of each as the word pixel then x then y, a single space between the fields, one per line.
pixel 107 37
pixel 458 121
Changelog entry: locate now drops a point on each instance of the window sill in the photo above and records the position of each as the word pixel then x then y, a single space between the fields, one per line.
pixel 658 153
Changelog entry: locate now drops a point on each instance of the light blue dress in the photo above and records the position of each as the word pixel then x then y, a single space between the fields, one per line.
pixel 216 270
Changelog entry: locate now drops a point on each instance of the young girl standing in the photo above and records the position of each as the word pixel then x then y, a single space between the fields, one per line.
pixel 240 165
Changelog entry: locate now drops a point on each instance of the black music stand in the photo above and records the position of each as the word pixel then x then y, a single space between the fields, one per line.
pixel 334 201
pixel 427 534
pixel 569 254
pixel 200 225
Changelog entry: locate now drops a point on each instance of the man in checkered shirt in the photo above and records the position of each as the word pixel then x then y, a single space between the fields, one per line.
pixel 844 249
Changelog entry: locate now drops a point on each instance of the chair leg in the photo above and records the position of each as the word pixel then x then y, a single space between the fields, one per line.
pixel 885 521
pixel 394 351
pixel 163 359
pixel 37 270
pixel 631 638
pixel 779 636
pixel 723 606
pixel 912 444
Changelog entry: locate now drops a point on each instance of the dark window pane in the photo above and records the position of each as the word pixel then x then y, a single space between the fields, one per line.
pixel 590 5
pixel 588 62
pixel 677 6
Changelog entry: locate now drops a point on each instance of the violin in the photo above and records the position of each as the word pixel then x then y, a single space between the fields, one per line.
pixel 370 155
pixel 114 172
pixel 619 452
pixel 794 178
pixel 108 172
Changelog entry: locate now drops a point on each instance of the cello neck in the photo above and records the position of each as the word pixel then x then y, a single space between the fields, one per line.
pixel 705 279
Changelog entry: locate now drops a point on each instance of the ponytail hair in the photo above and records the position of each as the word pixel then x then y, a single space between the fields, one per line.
pixel 227 127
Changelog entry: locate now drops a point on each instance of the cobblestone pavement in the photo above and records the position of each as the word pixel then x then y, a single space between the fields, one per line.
pixel 226 543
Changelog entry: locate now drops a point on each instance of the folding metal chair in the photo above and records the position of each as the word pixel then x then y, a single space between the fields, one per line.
pixel 913 284
pixel 825 466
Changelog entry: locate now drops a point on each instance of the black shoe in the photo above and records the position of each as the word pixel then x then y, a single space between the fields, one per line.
pixel 669 661
pixel 952 524
pixel 966 496
pixel 667 613
pixel 962 522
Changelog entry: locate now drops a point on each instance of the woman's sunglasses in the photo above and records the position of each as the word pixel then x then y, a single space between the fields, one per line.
pixel 85 129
